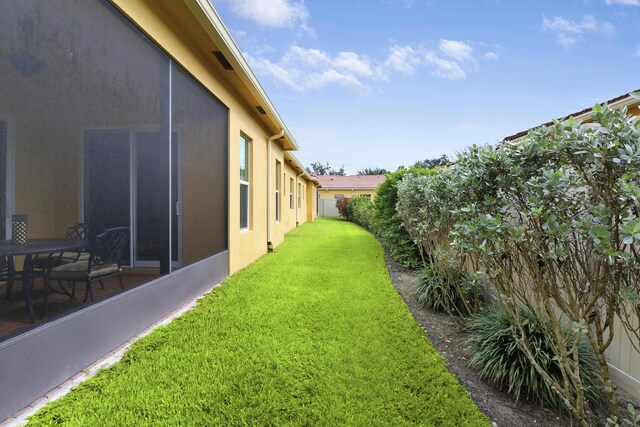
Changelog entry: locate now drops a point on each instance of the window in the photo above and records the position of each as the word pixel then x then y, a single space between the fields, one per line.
pixel 338 196
pixel 299 186
pixel 278 173
pixel 290 193
pixel 368 196
pixel 244 183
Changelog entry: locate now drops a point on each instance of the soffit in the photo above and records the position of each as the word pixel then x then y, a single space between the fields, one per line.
pixel 197 25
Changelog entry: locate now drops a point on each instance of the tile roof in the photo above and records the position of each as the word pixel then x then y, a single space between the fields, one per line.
pixel 353 181
pixel 579 113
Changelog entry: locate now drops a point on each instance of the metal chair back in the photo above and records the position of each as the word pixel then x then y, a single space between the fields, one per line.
pixel 85 230
pixel 109 247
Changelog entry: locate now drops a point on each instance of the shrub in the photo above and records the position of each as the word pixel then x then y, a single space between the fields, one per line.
pixel 343 207
pixel 361 209
pixel 387 224
pixel 495 351
pixel 453 292
pixel 554 224
pixel 426 204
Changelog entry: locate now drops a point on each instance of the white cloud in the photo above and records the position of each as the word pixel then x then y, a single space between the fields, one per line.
pixel 355 64
pixel 490 56
pixel 238 34
pixel 279 73
pixel 300 56
pixel 460 51
pixel 272 13
pixel 569 32
pixel 403 59
pixel 623 2
pixel 327 77
pixel 452 60
pixel 301 68
pixel 444 68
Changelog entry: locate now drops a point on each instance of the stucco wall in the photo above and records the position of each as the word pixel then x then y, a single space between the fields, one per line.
pixel 177 31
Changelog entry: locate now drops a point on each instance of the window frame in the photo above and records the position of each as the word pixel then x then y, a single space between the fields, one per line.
pixel 246 142
pixel 291 185
pixel 277 194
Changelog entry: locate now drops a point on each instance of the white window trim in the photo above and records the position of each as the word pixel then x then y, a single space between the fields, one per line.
pixel 290 193
pixel 247 143
pixel 278 212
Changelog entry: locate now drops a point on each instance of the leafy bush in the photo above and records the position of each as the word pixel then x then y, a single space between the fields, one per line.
pixel 426 205
pixel 361 209
pixel 554 223
pixel 343 207
pixel 387 224
pixel 495 351
pixel 429 208
pixel 453 292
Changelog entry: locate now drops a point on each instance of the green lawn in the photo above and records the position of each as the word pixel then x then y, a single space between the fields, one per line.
pixel 312 334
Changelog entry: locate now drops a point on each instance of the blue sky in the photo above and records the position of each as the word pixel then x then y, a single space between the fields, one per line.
pixel 383 83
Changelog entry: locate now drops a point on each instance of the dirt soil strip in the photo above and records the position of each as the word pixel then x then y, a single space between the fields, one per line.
pixel 448 338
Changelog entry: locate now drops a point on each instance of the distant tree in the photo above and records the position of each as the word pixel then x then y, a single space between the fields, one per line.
pixel 373 171
pixel 325 169
pixel 432 163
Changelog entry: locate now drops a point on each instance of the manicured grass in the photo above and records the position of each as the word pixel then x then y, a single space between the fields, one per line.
pixel 312 334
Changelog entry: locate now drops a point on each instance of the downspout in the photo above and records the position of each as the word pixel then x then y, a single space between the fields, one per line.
pixel 299 198
pixel 269 141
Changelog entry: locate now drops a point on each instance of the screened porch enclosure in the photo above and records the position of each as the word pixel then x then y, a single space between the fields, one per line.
pixel 98 125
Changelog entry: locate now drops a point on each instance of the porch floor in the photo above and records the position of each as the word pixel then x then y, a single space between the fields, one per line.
pixel 14 318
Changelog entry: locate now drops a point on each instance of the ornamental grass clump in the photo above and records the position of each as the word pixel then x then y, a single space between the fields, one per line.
pixel 453 292
pixel 496 353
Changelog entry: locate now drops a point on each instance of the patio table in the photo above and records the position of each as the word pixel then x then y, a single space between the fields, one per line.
pixel 34 247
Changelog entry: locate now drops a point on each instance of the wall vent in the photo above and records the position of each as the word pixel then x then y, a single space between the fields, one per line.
pixel 260 109
pixel 222 60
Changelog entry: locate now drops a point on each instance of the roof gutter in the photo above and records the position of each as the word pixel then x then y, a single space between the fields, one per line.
pixel 269 228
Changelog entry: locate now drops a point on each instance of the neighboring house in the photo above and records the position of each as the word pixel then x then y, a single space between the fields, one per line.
pixel 632 104
pixel 140 114
pixel 624 360
pixel 336 186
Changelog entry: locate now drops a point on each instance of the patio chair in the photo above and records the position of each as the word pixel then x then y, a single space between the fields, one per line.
pixel 104 261
pixel 8 275
pixel 83 230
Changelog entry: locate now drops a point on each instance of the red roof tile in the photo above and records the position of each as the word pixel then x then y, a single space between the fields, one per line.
pixel 350 182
